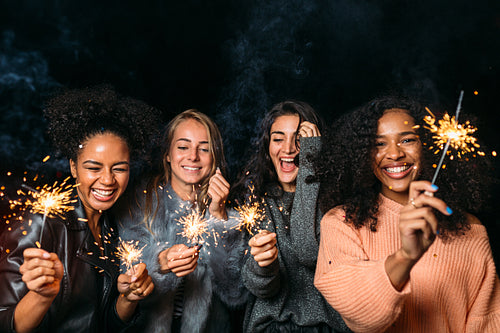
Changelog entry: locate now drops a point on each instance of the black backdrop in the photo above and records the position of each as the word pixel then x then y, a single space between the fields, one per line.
pixel 234 59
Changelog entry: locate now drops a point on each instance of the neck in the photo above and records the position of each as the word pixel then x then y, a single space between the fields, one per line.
pixel 185 191
pixel 401 198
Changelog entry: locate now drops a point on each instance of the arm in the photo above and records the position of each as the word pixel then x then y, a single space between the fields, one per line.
pixel 353 284
pixel 29 278
pixel 305 215
pixel 261 270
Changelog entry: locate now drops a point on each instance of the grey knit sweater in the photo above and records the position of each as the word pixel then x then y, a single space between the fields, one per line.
pixel 284 292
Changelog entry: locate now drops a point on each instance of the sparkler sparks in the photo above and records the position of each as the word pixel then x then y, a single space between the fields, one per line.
pixel 195 226
pixel 49 200
pixel 129 252
pixel 251 214
pixel 448 133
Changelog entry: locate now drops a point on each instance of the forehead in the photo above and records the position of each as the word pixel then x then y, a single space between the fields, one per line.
pixel 104 146
pixel 191 130
pixel 285 123
pixel 395 121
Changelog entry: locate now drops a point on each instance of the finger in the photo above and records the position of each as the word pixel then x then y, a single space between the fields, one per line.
pixel 431 201
pixel 419 186
pixel 262 239
pixel 35 263
pixel 32 252
pixel 260 249
pixel 308 129
pixel 38 283
pixel 183 271
pixel 37 273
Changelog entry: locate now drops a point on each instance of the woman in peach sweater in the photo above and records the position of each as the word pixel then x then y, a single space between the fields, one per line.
pixel 394 256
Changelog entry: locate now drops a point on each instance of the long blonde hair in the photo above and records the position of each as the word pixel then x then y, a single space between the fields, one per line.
pixel 163 178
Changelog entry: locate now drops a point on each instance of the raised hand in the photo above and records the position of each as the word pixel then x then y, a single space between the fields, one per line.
pixel 263 248
pixel 179 259
pixel 308 129
pixel 417 223
pixel 218 190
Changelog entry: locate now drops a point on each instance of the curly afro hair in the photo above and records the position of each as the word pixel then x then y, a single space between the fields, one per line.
pixel 345 169
pixel 76 115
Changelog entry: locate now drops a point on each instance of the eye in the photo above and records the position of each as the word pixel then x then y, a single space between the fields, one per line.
pixel 93 168
pixel 182 148
pixel 409 140
pixel 205 150
pixel 379 144
pixel 120 170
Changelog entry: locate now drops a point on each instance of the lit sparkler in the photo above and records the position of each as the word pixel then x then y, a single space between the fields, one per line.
pixel 449 133
pixel 194 226
pixel 251 214
pixel 50 200
pixel 129 252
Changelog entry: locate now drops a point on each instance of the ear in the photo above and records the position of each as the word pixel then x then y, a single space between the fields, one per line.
pixel 167 158
pixel 72 166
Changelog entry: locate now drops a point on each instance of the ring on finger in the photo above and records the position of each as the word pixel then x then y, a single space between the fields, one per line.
pixel 412 202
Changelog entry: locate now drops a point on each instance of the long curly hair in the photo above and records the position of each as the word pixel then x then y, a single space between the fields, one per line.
pixel 259 169
pixel 74 116
pixel 164 175
pixel 346 175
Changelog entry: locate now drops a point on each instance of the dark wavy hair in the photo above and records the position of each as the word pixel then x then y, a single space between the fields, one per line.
pixel 74 116
pixel 259 169
pixel 345 168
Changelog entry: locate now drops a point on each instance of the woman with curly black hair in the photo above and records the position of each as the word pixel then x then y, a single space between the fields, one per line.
pixel 380 264
pixel 72 282
pixel 280 271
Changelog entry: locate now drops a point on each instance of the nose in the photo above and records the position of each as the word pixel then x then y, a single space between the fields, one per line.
pixel 194 154
pixel 394 151
pixel 290 145
pixel 107 178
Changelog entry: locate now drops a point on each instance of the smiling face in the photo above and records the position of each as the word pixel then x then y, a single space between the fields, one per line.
pixel 102 170
pixel 397 156
pixel 189 156
pixel 283 149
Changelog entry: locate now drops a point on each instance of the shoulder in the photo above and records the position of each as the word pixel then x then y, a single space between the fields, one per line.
pixel 336 214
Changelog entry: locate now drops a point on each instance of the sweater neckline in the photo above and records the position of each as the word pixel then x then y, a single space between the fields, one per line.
pixel 392 205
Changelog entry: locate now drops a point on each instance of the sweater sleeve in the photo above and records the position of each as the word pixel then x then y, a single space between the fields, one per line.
pixel 263 282
pixel 355 286
pixel 305 215
pixel 484 316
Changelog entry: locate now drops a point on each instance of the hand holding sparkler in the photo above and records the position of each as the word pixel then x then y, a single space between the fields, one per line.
pixel 179 259
pixel 218 190
pixel 263 248
pixel 129 252
pixel 135 284
pixel 42 272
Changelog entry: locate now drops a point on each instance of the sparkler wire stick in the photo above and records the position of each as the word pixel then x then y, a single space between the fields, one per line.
pixel 441 160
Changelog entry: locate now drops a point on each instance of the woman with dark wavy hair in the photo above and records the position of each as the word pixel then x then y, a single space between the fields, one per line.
pixel 400 254
pixel 279 272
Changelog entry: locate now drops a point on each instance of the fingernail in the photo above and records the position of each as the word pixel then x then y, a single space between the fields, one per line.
pixel 46 255
pixel 133 279
pixel 449 210
pixel 434 187
pixel 437 232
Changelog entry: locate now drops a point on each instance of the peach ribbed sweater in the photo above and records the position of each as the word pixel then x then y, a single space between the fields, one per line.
pixel 453 288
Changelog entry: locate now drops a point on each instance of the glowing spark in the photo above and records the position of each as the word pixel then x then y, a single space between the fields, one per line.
pixel 50 201
pixel 46 158
pixel 450 133
pixel 250 214
pixel 129 252
pixel 194 226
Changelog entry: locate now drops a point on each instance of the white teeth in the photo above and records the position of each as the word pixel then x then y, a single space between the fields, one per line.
pixel 190 168
pixel 103 192
pixel 397 169
pixel 289 160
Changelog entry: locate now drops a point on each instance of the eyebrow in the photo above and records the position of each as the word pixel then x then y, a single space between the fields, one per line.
pixel 400 134
pixel 100 164
pixel 187 140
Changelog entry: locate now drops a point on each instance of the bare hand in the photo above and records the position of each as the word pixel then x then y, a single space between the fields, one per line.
pixel 179 259
pixel 135 284
pixel 263 248
pixel 42 272
pixel 417 223
pixel 218 190
pixel 308 129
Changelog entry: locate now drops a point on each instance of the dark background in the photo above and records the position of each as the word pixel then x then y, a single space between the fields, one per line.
pixel 235 59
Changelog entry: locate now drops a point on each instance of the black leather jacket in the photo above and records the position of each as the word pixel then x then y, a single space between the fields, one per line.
pixel 88 293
